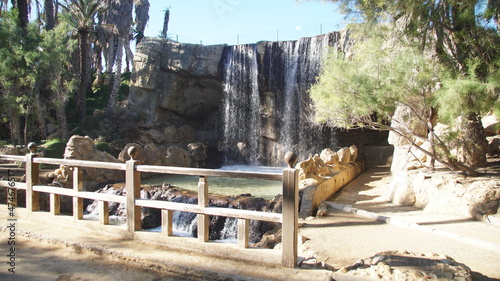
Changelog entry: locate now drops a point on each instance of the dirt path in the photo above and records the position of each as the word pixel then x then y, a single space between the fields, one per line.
pixel 342 238
pixel 40 261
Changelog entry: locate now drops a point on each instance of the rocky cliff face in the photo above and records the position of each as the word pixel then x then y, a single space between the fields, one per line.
pixel 168 77
pixel 249 103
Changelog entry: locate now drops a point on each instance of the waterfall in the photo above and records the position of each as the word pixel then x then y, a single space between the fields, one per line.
pixel 267 108
pixel 241 104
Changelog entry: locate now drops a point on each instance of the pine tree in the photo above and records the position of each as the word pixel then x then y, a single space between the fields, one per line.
pixel 460 35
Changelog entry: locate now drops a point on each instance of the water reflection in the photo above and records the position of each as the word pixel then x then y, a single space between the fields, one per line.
pixel 226 186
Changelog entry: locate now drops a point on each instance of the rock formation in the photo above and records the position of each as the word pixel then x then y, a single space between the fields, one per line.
pixel 440 191
pixel 83 148
pixel 323 175
pixel 393 265
pixel 187 93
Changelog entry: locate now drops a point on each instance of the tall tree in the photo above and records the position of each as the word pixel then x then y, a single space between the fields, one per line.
pixel 50 20
pixel 82 14
pixel 166 19
pixel 387 73
pixel 141 18
pixel 457 32
pixel 23 8
pixel 18 76
pixel 55 70
pixel 117 19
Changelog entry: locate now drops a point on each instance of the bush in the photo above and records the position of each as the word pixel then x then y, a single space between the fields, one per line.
pixel 54 148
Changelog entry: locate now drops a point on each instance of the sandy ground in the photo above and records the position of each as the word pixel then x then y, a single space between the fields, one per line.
pixel 40 261
pixel 342 238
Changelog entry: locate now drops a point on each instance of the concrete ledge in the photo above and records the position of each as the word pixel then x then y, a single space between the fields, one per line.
pixel 313 195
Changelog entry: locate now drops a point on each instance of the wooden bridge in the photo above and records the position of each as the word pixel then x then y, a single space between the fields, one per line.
pixel 132 168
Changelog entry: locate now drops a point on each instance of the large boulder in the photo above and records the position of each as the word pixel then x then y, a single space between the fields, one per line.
pixel 493 145
pixel 344 155
pixel 199 153
pixel 180 78
pixel 491 124
pixel 152 155
pixel 329 156
pixel 83 148
pixel 177 157
pixel 124 157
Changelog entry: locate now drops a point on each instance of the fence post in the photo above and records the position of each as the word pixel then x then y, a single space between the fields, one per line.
pixel 32 178
pixel 290 212
pixel 77 187
pixel 203 220
pixel 133 187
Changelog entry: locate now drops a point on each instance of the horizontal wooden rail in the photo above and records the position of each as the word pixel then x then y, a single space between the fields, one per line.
pixel 15 158
pixel 79 194
pixel 213 211
pixel 80 163
pixel 19 185
pixel 209 172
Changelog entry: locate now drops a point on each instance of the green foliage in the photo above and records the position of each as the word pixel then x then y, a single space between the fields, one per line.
pixel 382 74
pixel 465 96
pixel 54 148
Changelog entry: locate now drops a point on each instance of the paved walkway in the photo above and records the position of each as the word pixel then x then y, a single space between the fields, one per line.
pixel 360 224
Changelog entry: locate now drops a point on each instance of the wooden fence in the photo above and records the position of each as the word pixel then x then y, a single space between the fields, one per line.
pixel 133 203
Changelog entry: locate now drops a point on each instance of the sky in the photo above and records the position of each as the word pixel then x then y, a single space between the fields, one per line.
pixel 243 21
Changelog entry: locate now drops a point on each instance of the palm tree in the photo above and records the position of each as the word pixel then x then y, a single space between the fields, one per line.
pixel 83 13
pixel 118 20
pixel 50 20
pixel 23 8
pixel 141 18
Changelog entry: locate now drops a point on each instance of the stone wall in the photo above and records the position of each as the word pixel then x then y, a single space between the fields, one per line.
pixel 323 175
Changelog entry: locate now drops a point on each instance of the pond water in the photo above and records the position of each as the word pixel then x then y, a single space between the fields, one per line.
pixel 226 186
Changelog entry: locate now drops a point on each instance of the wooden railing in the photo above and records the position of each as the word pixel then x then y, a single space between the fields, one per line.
pixel 288 218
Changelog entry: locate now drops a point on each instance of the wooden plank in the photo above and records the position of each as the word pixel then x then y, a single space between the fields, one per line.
pixel 102 197
pixel 103 207
pixel 32 178
pixel 19 185
pixel 12 197
pixel 133 188
pixel 167 222
pixel 213 211
pixel 80 194
pixel 54 190
pixel 16 158
pixel 55 204
pixel 243 233
pixel 290 217
pixel 81 163
pixel 203 220
pixel 209 172
pixel 77 187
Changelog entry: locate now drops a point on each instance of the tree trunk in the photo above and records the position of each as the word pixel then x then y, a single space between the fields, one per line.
pixel 62 120
pixel 472 141
pixel 141 17
pixel 85 74
pixel 166 19
pixel 50 20
pixel 22 7
pixel 113 97
pixel 15 127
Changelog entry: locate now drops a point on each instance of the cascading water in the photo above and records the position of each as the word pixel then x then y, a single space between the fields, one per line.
pixel 266 102
pixel 241 104
pixel 292 112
